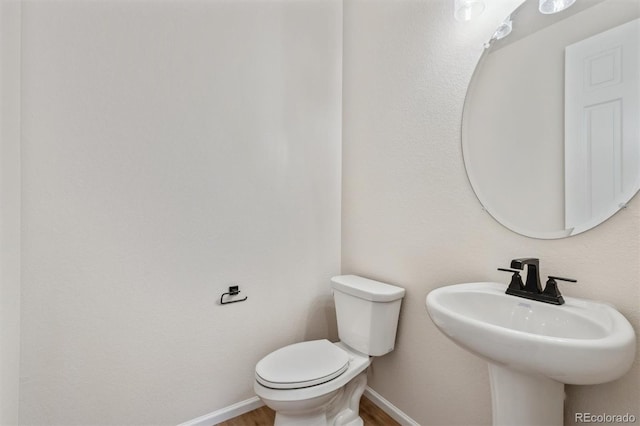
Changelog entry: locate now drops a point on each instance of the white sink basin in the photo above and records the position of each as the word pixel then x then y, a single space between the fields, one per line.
pixel 580 342
pixel 534 346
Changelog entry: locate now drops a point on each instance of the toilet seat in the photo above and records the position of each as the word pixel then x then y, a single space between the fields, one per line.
pixel 302 365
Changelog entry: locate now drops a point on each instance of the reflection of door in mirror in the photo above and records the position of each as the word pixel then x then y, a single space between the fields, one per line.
pixel 602 124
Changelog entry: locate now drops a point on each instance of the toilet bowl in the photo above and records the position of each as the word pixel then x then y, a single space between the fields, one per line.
pixel 295 401
pixel 319 383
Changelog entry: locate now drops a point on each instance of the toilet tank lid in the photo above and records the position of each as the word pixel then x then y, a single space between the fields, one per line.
pixel 367 289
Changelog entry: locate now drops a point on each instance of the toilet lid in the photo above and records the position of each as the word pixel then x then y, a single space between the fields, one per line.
pixel 302 365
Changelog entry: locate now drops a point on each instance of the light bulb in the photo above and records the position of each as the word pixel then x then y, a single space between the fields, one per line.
pixel 554 6
pixel 466 10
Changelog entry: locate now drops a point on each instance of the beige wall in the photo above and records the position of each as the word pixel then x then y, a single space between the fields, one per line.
pixel 170 149
pixel 411 218
pixel 9 210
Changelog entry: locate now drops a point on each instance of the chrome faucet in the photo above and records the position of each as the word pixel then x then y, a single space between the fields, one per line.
pixel 532 289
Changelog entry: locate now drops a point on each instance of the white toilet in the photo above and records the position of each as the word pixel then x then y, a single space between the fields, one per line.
pixel 319 383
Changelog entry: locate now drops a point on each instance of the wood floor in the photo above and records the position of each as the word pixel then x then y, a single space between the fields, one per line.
pixel 264 416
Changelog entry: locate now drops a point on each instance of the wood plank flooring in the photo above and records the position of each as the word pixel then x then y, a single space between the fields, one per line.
pixel 373 415
pixel 264 416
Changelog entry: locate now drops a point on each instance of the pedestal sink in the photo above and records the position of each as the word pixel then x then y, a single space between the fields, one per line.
pixel 533 348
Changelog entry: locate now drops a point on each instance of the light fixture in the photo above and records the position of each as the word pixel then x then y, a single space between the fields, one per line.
pixel 504 29
pixel 466 10
pixel 554 6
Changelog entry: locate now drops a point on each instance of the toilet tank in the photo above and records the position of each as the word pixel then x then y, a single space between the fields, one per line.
pixel 367 313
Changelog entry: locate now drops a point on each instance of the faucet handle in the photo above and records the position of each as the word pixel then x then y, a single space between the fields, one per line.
pixel 551 289
pixel 570 280
pixel 516 279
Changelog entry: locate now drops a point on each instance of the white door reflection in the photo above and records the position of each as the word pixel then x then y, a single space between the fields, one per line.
pixel 602 125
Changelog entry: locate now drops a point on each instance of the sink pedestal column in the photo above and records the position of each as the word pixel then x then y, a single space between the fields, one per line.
pixel 520 399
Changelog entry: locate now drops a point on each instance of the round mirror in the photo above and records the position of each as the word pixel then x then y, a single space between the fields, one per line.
pixel 551 122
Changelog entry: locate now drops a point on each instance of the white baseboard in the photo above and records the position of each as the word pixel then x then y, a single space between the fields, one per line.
pixel 226 413
pixel 247 405
pixel 394 412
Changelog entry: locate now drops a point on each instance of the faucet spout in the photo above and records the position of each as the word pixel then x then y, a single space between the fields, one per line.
pixel 532 284
pixel 519 263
